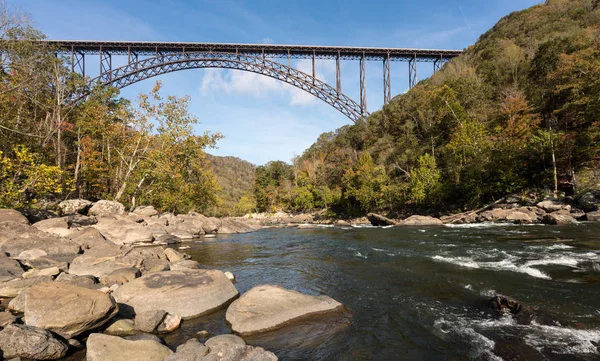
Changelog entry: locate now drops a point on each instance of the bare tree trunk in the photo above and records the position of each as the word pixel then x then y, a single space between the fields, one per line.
pixel 553 159
pixel 78 163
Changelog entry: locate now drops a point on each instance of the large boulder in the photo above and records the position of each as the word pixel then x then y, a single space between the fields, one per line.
pixel 16 238
pixel 211 225
pixel 494 215
pixel 588 202
pixel 148 321
pixel 106 209
pixel 9 268
pixel 553 206
pixel 192 350
pixel 10 215
pixel 518 217
pixel 236 226
pixel 15 287
pixel 121 231
pixel 145 211
pixel 146 259
pixel 31 343
pixel 378 220
pixel 558 219
pixel 120 276
pixel 79 281
pixel 57 226
pixel 113 348
pixel 593 216
pixel 66 309
pixel 268 307
pixel 74 206
pixel 185 293
pixel 421 221
pixel 232 348
pixel 88 238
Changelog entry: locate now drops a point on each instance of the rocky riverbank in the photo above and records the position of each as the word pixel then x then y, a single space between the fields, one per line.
pixel 98 278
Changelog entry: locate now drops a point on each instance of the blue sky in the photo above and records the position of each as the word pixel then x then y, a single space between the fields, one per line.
pixel 263 119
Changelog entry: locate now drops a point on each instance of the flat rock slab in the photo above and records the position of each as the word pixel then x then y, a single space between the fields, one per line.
pixel 265 308
pixel 15 287
pixel 421 221
pixel 11 215
pixel 16 238
pixel 185 293
pixel 112 348
pixel 9 269
pixel 30 342
pixel 66 309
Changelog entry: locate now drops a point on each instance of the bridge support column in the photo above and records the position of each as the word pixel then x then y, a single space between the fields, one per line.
pixel 338 76
pixel 387 81
pixel 363 89
pixel 77 62
pixel 412 72
pixel 437 64
pixel 314 69
pixel 105 64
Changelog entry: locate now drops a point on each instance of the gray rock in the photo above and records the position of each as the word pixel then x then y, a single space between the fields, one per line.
pixel 106 209
pixel 14 287
pixel 74 206
pixel 112 348
pixel 421 221
pixel 79 281
pixel 342 223
pixel 88 238
pixel 173 256
pixel 517 217
pixel 17 304
pixel 67 310
pixel 16 238
pixel 553 206
pixel 120 276
pixel 80 221
pixel 192 350
pixel 224 340
pixel 123 232
pixel 185 264
pixel 144 336
pixel 148 321
pixel 11 215
pixel 30 342
pixel 31 254
pixel 169 324
pixel 211 225
pixel 122 327
pixel 6 318
pixel 236 226
pixel 188 294
pixel 153 265
pixel 146 211
pixel 268 307
pixel 236 352
pixel 47 262
pixel 593 216
pixel 558 219
pixel 9 269
pixel 57 226
pixel 165 238
pixel 379 220
pixel 98 263
pixel 588 202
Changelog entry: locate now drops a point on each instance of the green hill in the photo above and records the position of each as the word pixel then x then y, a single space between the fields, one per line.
pixel 235 177
pixel 519 110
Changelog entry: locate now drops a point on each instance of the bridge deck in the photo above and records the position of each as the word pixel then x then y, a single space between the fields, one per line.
pixel 268 50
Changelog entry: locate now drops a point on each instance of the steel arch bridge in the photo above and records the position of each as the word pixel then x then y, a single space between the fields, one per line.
pixel 149 59
pixel 163 64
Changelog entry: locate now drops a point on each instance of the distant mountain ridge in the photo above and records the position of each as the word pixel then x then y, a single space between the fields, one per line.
pixel 236 178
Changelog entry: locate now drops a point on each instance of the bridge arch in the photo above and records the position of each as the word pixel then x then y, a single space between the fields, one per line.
pixel 143 69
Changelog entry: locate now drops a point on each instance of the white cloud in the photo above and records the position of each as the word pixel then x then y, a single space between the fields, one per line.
pixel 247 83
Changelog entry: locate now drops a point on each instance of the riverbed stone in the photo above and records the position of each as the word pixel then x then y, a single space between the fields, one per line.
pixel 66 309
pixel 74 206
pixel 593 216
pixel 123 232
pixel 102 347
pixel 11 215
pixel 122 327
pixel 145 211
pixel 589 202
pixel 421 221
pixel 185 264
pixel 222 340
pixel 31 254
pixel 558 219
pixel 6 318
pixel 120 276
pixel 233 348
pixel 192 350
pixel 211 225
pixel 9 269
pixel 16 238
pixel 106 208
pixel 185 293
pixel 88 238
pixel 174 256
pixel 268 307
pixel 148 321
pixel 378 220
pixel 517 217
pixel 77 221
pixel 15 287
pixel 169 324
pixel 30 342
pixel 236 226
pixel 58 226
pixel 75 280
pixel 553 206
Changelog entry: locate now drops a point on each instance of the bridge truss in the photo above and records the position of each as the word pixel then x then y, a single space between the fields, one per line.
pixel 148 59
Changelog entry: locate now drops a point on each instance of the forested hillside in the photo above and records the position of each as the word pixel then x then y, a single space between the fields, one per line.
pixel 53 147
pixel 235 178
pixel 519 110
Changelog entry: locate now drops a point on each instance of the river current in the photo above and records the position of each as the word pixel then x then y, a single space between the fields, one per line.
pixel 421 293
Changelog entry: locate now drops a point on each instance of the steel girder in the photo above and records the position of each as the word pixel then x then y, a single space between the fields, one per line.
pixel 167 63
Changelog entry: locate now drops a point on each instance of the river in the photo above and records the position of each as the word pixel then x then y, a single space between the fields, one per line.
pixel 420 293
